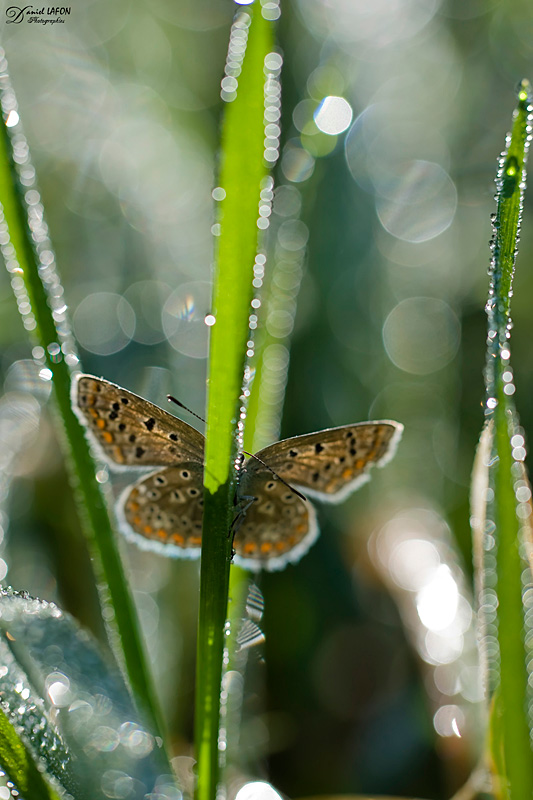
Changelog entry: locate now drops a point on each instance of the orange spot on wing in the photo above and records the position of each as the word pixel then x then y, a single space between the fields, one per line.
pixel 136 520
pixel 161 534
pixel 347 473
pixel 118 455
pixel 132 506
pixel 360 463
pixel 93 412
pixel 266 547
pixel 107 437
pixel 280 546
pixel 177 538
pixel 148 530
pixel 194 540
pixel 249 547
pixel 100 423
pixel 301 528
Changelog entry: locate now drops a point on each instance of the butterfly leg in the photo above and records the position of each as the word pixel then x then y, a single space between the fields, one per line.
pixel 244 501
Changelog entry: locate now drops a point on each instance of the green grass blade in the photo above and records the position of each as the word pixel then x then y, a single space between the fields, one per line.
pixel 19 765
pixel 503 566
pixel 29 259
pixel 276 320
pixel 242 172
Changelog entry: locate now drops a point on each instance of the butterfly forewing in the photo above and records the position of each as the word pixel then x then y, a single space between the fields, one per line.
pixel 130 431
pixel 334 462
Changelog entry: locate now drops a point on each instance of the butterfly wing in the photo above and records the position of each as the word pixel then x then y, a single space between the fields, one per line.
pixel 128 430
pixel 332 463
pixel 276 528
pixel 163 511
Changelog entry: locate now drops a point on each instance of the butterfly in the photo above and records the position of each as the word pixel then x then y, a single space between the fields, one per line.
pixel 163 510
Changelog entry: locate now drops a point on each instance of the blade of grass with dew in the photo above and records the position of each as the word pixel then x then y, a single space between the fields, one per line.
pixel 280 283
pixel 271 356
pixel 242 172
pixel 504 562
pixel 29 259
pixel 19 765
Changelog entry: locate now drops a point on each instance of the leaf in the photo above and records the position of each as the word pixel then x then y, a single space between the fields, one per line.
pixel 501 497
pixel 97 745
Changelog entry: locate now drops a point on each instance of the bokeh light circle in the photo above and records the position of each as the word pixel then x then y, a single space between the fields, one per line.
pixel 296 164
pixel 257 790
pixel 421 335
pixel 147 299
pixel 333 115
pixel 183 318
pixel 104 323
pixel 418 202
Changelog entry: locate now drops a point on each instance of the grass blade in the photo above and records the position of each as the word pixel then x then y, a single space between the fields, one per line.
pixel 29 259
pixel 243 170
pixel 498 494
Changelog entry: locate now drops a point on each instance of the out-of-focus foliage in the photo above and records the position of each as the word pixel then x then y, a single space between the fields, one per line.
pixel 391 193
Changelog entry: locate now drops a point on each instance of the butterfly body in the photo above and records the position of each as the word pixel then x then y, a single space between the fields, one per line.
pixel 164 509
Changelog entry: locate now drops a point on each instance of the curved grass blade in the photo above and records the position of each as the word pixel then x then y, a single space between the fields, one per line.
pixel 242 172
pixel 98 745
pixel 500 507
pixel 19 765
pixel 29 259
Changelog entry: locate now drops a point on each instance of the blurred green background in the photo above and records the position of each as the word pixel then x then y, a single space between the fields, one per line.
pixel 368 678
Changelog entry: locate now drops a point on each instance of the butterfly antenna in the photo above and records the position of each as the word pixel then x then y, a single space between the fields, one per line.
pixel 295 491
pixel 181 405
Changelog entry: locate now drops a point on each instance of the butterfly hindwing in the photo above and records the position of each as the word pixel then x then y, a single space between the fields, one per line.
pixel 278 526
pixel 166 508
pixel 332 463
pixel 130 431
